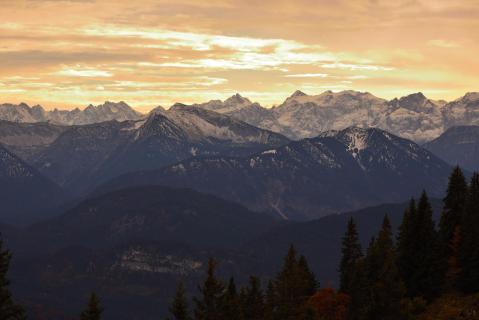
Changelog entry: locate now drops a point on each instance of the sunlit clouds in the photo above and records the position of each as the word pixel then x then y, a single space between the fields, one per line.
pixel 71 53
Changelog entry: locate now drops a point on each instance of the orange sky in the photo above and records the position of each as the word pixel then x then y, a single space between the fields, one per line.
pixel 65 54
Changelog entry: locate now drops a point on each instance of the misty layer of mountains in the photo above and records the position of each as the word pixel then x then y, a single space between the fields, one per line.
pixel 109 199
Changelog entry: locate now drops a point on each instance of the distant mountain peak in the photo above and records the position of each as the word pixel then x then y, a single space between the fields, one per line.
pixel 417 97
pixel 178 105
pixel 237 99
pixel 298 93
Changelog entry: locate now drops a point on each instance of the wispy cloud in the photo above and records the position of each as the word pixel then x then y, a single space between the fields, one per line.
pixel 353 67
pixel 307 75
pixel 92 73
pixel 443 43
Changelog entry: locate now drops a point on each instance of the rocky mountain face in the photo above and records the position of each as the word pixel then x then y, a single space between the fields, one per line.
pixel 24 192
pixel 337 171
pixel 91 114
pixel 86 155
pixel 414 117
pixel 458 146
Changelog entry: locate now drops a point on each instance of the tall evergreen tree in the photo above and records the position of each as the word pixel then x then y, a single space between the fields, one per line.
pixel 293 286
pixel 454 205
pixel 419 252
pixel 230 304
pixel 306 280
pixel 469 248
pixel 429 272
pixel 179 306
pixel 406 246
pixel 350 270
pixel 252 300
pixel 9 310
pixel 270 301
pixel 93 310
pixel 384 287
pixel 351 254
pixel 208 307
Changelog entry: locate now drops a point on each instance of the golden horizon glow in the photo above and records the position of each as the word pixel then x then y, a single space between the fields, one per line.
pixel 70 53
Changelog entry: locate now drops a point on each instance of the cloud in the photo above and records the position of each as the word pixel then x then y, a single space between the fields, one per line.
pixel 307 75
pixel 443 43
pixel 353 67
pixel 84 73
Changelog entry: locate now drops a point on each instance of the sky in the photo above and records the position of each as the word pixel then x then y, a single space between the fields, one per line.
pixel 66 54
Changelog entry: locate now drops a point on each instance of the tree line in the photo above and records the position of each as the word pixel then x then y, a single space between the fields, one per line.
pixel 397 278
pixel 393 279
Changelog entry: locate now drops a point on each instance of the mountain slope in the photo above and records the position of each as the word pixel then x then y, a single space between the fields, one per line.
pixel 24 193
pixel 152 213
pixel 458 146
pixel 74 157
pixel 84 156
pixel 337 171
pixel 28 139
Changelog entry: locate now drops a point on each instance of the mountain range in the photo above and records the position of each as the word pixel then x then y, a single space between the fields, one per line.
pixel 337 171
pixel 413 117
pixel 91 114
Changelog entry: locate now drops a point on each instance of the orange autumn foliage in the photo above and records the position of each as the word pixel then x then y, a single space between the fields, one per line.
pixel 329 304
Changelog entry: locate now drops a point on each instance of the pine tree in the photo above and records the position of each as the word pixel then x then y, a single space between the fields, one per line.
pixel 287 302
pixel 419 253
pixel 230 302
pixel 9 310
pixel 179 306
pixel 350 270
pixel 294 284
pixel 469 248
pixel 252 300
pixel 384 287
pixel 270 301
pixel 306 280
pixel 406 246
pixel 93 310
pixel 208 307
pixel 454 205
pixel 351 254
